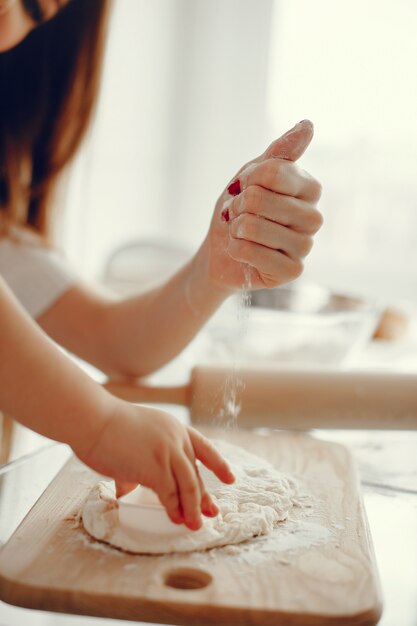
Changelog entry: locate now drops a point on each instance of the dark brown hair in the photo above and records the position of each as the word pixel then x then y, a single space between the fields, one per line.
pixel 48 87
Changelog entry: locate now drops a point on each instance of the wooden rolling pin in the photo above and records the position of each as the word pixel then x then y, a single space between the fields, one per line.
pixel 291 399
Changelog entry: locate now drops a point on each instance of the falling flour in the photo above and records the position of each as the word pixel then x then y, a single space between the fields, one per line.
pixel 233 384
pixel 260 500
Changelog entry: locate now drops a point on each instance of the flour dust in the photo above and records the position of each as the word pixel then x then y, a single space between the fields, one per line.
pixel 233 385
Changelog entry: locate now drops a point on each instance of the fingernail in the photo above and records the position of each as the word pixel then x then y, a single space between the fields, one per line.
pixel 294 128
pixel 232 477
pixel 225 215
pixel 208 512
pixel 195 524
pixel 234 188
pixel 211 510
pixel 177 518
pixel 214 509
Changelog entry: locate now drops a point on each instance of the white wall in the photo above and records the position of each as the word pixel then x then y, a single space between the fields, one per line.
pixel 182 107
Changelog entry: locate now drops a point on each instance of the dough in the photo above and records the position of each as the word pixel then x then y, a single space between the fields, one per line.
pixel 259 499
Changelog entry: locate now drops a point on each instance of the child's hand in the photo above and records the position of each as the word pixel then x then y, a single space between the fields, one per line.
pixel 150 447
pixel 266 218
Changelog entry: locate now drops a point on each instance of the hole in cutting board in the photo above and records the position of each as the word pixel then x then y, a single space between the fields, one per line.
pixel 187 578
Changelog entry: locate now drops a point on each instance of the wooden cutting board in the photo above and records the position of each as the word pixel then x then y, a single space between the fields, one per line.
pixel 315 569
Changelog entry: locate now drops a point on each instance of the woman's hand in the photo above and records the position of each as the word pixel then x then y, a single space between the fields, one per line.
pixel 150 447
pixel 264 222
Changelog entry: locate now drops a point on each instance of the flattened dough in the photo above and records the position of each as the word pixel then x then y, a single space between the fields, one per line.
pixel 259 499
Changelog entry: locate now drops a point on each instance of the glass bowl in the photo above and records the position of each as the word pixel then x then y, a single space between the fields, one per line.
pixel 296 324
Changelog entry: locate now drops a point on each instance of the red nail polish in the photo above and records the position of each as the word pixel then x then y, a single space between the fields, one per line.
pixel 225 215
pixel 234 188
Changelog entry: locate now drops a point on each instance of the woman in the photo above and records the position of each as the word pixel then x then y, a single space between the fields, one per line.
pixel 262 228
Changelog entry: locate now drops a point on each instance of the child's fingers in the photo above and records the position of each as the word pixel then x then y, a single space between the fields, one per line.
pixel 208 507
pixel 122 488
pixel 206 452
pixel 189 491
pixel 169 497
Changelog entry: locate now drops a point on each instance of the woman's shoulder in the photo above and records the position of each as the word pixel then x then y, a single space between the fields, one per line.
pixel 34 271
pixel 22 236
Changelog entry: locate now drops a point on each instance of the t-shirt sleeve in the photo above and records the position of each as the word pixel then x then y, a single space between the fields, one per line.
pixel 37 275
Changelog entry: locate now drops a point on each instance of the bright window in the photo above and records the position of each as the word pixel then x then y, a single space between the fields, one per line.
pixel 351 68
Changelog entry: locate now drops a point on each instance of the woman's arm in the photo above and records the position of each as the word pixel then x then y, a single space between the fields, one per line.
pixel 262 228
pixel 137 335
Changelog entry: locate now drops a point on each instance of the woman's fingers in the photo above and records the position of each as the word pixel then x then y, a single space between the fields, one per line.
pixel 294 213
pixel 207 453
pixel 281 176
pixel 271 235
pixel 268 215
pixel 189 491
pixel 274 267
pixel 270 226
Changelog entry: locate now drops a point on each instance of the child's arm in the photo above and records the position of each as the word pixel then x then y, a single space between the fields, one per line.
pixel 266 231
pixel 47 392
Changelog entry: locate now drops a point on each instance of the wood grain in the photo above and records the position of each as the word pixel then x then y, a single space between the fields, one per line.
pixel 290 398
pixel 50 563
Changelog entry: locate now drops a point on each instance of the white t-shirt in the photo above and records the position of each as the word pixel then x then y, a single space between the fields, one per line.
pixel 38 276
